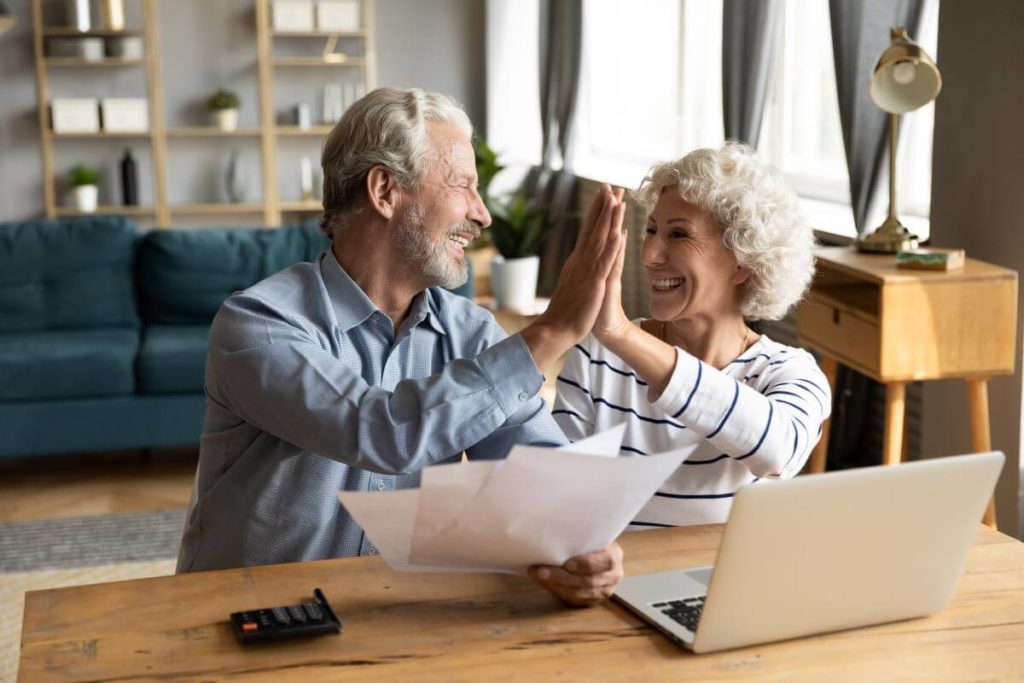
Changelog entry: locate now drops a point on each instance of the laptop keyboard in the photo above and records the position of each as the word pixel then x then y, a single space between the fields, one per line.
pixel 686 613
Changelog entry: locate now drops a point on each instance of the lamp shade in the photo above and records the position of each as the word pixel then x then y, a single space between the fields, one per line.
pixel 905 77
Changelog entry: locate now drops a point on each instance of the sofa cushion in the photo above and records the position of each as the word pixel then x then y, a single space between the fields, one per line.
pixel 69 274
pixel 67 364
pixel 172 359
pixel 185 275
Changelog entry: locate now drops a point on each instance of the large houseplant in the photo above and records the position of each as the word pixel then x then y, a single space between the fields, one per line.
pixel 519 229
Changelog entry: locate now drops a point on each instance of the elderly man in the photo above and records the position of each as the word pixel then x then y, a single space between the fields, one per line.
pixel 357 371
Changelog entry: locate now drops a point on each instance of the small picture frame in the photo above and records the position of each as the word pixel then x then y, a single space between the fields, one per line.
pixel 338 15
pixel 75 115
pixel 292 15
pixel 125 114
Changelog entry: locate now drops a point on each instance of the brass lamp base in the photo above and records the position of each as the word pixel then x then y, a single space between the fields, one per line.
pixel 891 237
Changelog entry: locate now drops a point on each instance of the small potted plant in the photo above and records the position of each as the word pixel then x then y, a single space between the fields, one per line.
pixel 85 185
pixel 223 105
pixel 519 230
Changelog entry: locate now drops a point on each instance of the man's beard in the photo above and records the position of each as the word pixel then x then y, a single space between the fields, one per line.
pixel 436 265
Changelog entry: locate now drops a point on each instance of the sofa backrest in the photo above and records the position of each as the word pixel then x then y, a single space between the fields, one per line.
pixel 185 275
pixel 67 274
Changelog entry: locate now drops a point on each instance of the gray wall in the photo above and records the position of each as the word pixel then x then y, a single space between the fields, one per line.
pixel 977 179
pixel 432 44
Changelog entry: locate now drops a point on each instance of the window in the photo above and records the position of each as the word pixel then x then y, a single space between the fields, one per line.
pixel 651 90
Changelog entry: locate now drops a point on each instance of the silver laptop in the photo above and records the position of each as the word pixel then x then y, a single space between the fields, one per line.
pixel 824 553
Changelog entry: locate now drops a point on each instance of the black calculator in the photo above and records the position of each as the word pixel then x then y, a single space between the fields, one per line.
pixel 291 621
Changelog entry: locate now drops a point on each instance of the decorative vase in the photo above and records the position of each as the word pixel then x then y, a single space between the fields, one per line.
pixel 112 15
pixel 226 119
pixel 235 181
pixel 514 283
pixel 86 198
pixel 77 14
pixel 129 180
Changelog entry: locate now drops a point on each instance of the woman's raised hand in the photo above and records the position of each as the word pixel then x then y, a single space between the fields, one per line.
pixel 612 321
pixel 580 291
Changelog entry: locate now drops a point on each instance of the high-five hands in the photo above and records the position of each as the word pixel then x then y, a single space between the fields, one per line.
pixel 580 292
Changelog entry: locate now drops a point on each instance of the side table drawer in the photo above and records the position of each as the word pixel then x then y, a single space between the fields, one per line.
pixel 852 339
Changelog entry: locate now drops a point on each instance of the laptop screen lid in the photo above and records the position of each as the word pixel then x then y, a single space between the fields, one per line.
pixel 844 549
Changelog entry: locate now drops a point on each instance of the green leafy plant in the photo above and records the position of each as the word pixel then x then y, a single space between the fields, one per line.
pixel 83 175
pixel 487 165
pixel 222 99
pixel 518 227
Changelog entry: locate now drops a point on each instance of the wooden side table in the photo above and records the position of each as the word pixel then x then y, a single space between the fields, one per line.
pixel 898 326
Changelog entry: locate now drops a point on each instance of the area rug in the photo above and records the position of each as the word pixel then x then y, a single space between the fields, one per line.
pixel 75 551
pixel 90 541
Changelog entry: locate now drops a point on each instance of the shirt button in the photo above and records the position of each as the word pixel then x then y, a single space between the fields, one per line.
pixel 381 486
pixel 523 396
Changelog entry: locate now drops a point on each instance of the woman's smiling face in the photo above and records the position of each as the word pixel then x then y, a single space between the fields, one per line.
pixel 691 273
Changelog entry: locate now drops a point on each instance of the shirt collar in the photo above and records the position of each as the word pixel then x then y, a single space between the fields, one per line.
pixel 352 307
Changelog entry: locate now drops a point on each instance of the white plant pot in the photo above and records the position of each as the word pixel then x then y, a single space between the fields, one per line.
pixel 226 119
pixel 514 282
pixel 86 198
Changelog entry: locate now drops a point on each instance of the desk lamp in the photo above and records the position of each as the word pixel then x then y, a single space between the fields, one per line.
pixel 904 79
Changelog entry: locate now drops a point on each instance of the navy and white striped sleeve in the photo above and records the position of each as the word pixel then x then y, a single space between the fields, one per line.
pixel 574 411
pixel 773 432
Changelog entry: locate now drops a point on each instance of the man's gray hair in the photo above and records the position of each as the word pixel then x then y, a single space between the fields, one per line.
pixel 387 127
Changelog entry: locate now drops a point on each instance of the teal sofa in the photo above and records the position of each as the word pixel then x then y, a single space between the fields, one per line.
pixel 103 329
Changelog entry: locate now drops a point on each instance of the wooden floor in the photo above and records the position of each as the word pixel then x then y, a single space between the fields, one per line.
pixel 48 487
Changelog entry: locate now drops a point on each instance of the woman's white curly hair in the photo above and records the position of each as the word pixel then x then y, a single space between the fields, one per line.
pixel 758 215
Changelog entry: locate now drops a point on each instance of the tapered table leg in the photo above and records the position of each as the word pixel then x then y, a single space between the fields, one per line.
pixel 895 410
pixel 981 435
pixel 820 452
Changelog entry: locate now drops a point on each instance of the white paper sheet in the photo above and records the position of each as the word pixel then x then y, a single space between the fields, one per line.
pixel 539 506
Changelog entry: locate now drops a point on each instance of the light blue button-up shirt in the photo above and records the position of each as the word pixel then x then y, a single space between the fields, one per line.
pixel 310 390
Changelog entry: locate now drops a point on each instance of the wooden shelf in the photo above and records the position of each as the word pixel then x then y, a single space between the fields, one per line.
pixel 344 60
pixel 78 61
pixel 100 135
pixel 211 132
pixel 318 34
pixel 216 208
pixel 312 206
pixel 67 31
pixel 106 210
pixel 266 132
pixel 314 131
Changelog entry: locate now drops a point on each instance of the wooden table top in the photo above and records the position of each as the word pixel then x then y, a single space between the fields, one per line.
pixel 477 627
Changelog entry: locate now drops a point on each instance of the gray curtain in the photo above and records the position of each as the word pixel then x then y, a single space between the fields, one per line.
pixel 561 48
pixel 860 33
pixel 750 41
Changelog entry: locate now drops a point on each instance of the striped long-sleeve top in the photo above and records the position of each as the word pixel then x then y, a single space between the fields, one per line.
pixel 757 418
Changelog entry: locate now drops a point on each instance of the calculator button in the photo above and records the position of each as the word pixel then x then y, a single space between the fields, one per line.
pixel 250 626
pixel 313 611
pixel 297 613
pixel 281 614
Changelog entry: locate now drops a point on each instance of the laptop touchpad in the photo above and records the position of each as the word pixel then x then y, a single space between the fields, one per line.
pixel 701 575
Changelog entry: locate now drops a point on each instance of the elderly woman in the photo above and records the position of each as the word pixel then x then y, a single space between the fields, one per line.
pixel 724 245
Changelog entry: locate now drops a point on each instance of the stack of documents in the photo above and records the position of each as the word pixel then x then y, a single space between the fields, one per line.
pixel 538 506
